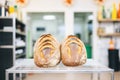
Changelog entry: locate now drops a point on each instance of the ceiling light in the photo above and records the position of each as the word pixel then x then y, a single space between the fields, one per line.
pixel 49 17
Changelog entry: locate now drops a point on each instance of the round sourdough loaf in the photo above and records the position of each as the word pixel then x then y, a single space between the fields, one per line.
pixel 73 51
pixel 46 51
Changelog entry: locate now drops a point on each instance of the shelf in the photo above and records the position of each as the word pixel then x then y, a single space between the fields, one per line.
pixel 10 30
pixel 20 46
pixel 6 17
pixel 5 31
pixel 108 20
pixel 20 33
pixel 20 23
pixel 20 55
pixel 6 46
pixel 109 35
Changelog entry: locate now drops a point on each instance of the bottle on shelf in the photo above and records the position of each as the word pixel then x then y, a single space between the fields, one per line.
pixel 6 8
pixel 108 13
pixel 114 12
pixel 100 30
pixel 2 10
pixel 16 11
pixel 11 9
pixel 100 13
pixel 111 44
pixel 118 14
pixel 103 12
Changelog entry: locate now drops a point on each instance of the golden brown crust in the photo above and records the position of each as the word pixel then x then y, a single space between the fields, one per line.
pixel 46 51
pixel 73 51
pixel 45 38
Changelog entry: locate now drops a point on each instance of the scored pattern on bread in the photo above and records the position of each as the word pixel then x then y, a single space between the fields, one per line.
pixel 73 51
pixel 46 51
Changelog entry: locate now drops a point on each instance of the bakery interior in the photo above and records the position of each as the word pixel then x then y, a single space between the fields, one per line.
pixel 95 22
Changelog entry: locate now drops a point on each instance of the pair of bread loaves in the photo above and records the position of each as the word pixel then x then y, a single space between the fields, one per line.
pixel 48 52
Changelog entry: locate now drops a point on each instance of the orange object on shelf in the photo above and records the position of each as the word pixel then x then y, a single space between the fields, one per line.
pixel 111 44
pixel 118 14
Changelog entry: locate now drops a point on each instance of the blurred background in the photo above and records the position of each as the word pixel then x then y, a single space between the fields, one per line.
pixel 95 22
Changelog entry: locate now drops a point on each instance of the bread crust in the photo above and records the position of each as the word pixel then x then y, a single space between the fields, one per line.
pixel 73 51
pixel 46 51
